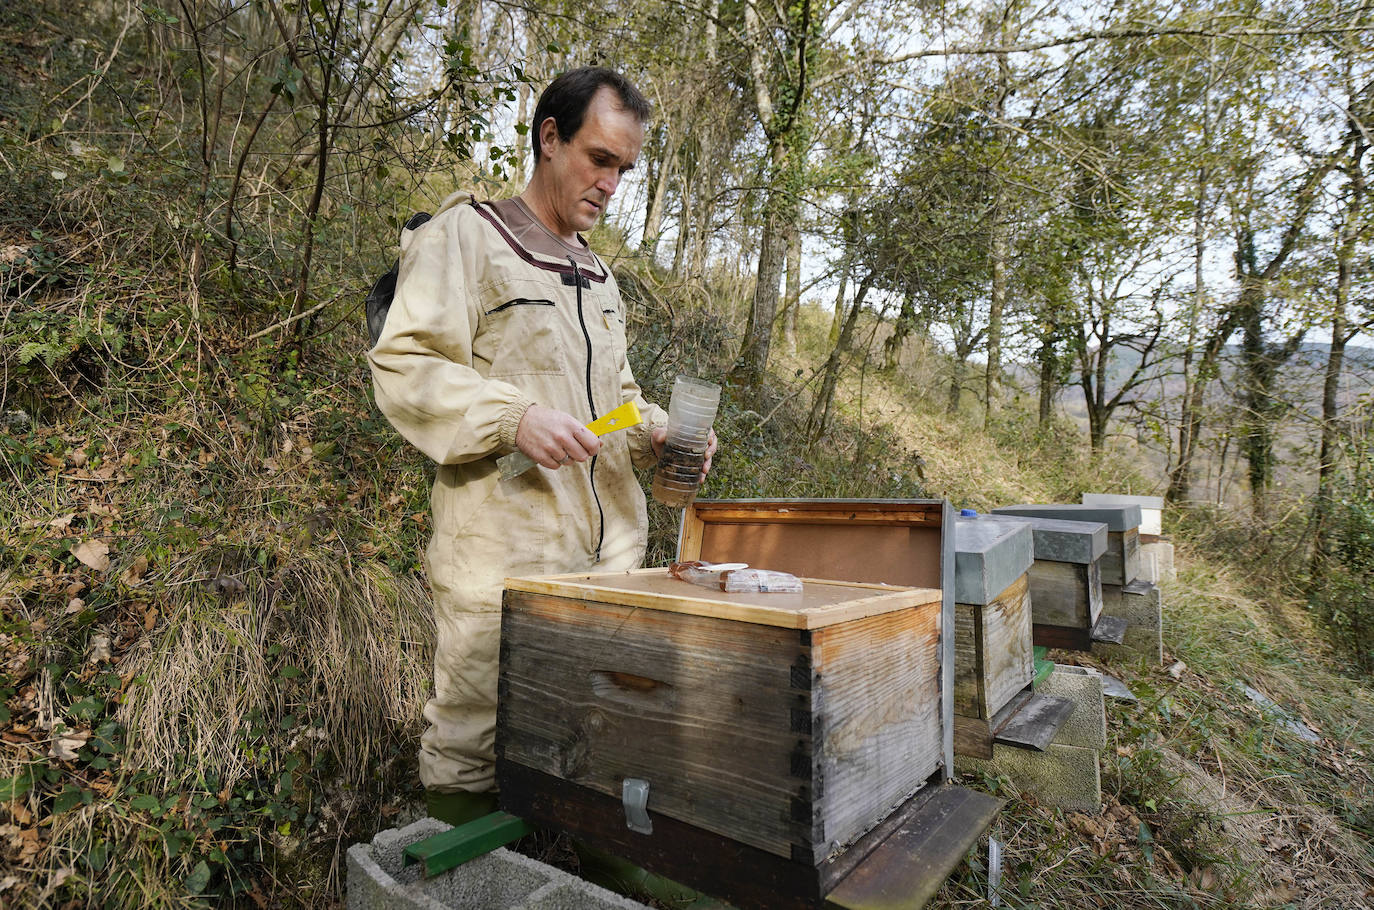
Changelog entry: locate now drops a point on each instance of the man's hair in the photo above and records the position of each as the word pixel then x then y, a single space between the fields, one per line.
pixel 567 97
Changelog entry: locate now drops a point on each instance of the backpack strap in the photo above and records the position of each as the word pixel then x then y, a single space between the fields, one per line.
pixel 378 302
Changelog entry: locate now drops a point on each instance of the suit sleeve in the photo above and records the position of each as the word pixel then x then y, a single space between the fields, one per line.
pixel 422 369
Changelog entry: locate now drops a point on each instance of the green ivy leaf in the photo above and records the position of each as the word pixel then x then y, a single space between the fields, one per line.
pixel 12 788
pixel 145 802
pixel 200 877
pixel 70 798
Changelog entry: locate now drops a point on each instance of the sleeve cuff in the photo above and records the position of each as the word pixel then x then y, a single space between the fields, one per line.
pixel 510 420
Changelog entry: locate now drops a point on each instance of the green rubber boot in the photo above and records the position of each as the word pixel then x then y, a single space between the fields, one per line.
pixel 624 877
pixel 459 806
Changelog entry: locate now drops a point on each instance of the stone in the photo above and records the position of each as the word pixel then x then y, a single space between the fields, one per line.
pixel 500 880
pixel 1087 725
pixel 1061 777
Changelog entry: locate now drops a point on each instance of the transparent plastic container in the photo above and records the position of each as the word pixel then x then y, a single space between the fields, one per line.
pixel 691 410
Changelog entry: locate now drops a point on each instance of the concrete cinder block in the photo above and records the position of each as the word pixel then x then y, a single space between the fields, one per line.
pixel 1142 606
pixel 1163 553
pixel 500 880
pixel 1063 777
pixel 1086 727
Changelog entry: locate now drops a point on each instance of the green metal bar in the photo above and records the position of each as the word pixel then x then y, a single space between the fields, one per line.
pixel 1043 667
pixel 469 841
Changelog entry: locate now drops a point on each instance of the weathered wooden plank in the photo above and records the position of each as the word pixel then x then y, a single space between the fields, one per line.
pixel 717 716
pixel 1034 723
pixel 969 697
pixel 1008 661
pixel 972 737
pixel 813 511
pixel 877 734
pixel 1121 562
pixel 1070 638
pixel 720 866
pixel 992 651
pixel 821 603
pixel 906 870
pixel 1065 593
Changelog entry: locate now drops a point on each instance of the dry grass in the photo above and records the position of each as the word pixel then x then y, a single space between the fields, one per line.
pixel 360 639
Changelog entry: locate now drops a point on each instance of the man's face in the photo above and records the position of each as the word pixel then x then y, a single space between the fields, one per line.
pixel 584 172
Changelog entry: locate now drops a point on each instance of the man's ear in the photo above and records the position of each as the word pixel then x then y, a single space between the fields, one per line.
pixel 548 135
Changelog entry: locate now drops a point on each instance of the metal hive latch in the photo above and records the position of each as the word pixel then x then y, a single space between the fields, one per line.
pixel 634 795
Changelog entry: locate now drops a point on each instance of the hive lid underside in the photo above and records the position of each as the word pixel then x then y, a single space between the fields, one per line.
pixel 822 603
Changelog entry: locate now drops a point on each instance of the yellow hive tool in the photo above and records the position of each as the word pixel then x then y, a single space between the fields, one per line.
pixel 623 417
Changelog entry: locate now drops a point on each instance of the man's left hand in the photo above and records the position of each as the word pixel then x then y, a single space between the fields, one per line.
pixel 660 435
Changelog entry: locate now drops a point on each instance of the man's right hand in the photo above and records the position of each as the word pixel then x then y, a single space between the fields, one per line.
pixel 552 438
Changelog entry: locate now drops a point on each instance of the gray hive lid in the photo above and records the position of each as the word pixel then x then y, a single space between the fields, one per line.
pixel 1081 542
pixel 1117 518
pixel 1123 499
pixel 988 557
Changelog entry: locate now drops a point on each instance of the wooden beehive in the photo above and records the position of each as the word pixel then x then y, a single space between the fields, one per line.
pixel 994 663
pixel 993 658
pixel 1121 562
pixel 1065 580
pixel 774 731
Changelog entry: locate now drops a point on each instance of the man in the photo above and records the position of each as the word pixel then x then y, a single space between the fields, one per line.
pixel 506 332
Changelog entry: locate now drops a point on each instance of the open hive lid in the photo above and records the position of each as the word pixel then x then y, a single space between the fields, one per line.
pixel 822 603
pixel 895 542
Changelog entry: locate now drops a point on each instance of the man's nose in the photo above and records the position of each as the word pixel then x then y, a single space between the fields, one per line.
pixel 608 183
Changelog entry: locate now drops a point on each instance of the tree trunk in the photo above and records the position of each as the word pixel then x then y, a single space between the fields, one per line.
pixel 956 387
pixel 1047 375
pixel 1189 418
pixel 999 242
pixel 792 297
pixel 653 218
pixel 1340 333
pixel 820 408
pixel 901 330
pixel 753 359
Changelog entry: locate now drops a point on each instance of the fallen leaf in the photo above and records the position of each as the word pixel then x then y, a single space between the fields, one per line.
pixel 62 522
pixel 150 619
pixel 64 745
pixel 19 812
pixel 100 648
pixel 75 605
pixel 93 553
pixel 75 588
pixel 133 575
pixel 1177 668
pixel 78 458
pixel 227 586
pixel 58 877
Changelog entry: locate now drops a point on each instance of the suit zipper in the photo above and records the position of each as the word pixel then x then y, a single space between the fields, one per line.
pixel 591 405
